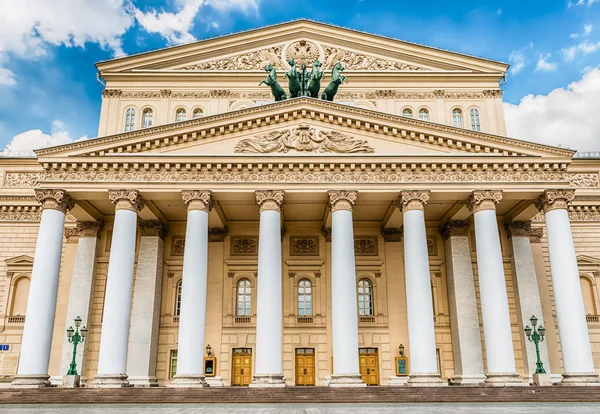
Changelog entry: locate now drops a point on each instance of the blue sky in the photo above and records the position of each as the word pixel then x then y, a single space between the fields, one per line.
pixel 48 50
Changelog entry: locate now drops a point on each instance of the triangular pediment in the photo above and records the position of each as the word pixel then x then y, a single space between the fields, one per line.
pixel 305 126
pixel 19 261
pixel 584 260
pixel 305 41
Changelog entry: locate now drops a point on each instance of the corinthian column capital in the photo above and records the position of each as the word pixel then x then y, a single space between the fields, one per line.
pixel 127 200
pixel 413 200
pixel 554 200
pixel 88 228
pixel 270 199
pixel 54 200
pixel 484 200
pixel 198 200
pixel 342 200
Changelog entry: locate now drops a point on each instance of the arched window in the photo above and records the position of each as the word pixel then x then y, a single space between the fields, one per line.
pixel 424 114
pixel 147 118
pixel 129 120
pixel 407 112
pixel 20 295
pixel 180 115
pixel 198 113
pixel 587 290
pixel 304 298
pixel 457 118
pixel 475 122
pixel 178 300
pixel 244 298
pixel 365 297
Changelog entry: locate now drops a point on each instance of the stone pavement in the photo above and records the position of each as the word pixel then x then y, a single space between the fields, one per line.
pixel 441 408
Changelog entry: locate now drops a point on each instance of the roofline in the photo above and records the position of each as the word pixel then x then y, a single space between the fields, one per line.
pixel 301 20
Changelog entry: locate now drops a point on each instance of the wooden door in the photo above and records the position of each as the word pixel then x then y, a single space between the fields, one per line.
pixel 369 365
pixel 242 366
pixel 305 366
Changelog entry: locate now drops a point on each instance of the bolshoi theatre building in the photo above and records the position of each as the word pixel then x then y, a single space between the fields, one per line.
pixel 359 218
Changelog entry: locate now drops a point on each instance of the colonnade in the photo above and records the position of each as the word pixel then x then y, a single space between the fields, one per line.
pixel 114 365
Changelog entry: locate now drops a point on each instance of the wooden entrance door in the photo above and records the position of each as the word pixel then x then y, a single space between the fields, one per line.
pixel 369 365
pixel 242 366
pixel 305 366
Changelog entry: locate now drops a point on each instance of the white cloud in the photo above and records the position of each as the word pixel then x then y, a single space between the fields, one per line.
pixel 582 3
pixel 517 61
pixel 24 143
pixel 175 27
pixel 7 77
pixel 586 47
pixel 587 29
pixel 544 65
pixel 566 117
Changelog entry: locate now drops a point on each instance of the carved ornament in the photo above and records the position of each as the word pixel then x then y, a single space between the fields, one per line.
pixel 89 228
pixel 71 235
pixel 304 245
pixel 455 228
pixel 256 60
pixel 127 200
pixel 326 232
pixel 153 228
pixel 269 200
pixel 535 236
pixel 20 213
pixel 244 246
pixel 198 200
pixel 555 200
pixel 303 52
pixel 342 200
pixel 366 246
pixel 359 61
pixel 484 200
pixel 112 93
pixel 413 200
pixel 303 139
pixel 54 200
pixel 392 234
pixel 517 229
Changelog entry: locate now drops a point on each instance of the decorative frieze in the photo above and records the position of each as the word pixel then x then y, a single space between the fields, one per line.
pixel 342 200
pixel 366 246
pixel 484 200
pixel 71 235
pixel 517 229
pixel 455 228
pixel 177 245
pixel 535 236
pixel 54 200
pixel 432 246
pixel 304 245
pixel 89 228
pixel 269 200
pixel 555 200
pixel 127 200
pixel 413 200
pixel 21 213
pixel 217 234
pixel 392 234
pixel 326 232
pixel 244 246
pixel 153 228
pixel 112 93
pixel 198 200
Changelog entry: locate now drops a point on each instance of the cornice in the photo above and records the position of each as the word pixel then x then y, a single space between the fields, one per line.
pixel 306 108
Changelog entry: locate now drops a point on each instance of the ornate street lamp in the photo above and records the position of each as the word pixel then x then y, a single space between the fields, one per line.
pixel 75 338
pixel 401 350
pixel 208 351
pixel 536 335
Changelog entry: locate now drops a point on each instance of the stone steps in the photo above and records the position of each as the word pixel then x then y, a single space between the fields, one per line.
pixel 298 395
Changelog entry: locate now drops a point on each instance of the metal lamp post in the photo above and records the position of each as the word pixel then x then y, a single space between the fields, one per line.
pixel 536 335
pixel 75 338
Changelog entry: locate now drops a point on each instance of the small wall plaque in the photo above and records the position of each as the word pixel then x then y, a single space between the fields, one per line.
pixel 210 365
pixel 401 366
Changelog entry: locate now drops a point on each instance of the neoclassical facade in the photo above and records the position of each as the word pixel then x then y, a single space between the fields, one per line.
pixel 300 241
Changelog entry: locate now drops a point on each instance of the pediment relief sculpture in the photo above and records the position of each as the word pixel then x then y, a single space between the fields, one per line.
pixel 303 139
pixel 303 52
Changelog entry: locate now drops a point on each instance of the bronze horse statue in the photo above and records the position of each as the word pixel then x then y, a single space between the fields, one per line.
pixel 315 76
pixel 336 80
pixel 294 83
pixel 271 81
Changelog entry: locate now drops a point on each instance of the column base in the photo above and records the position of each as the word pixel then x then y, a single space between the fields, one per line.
pixel 214 381
pixel 504 379
pixel 188 381
pixel 143 381
pixel 267 381
pixel 110 381
pixel 31 381
pixel 398 381
pixel 578 379
pixel 346 380
pixel 426 380
pixel 71 381
pixel 468 380
pixel 541 380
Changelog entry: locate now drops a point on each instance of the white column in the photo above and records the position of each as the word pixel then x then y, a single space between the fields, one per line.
pixel 145 311
pixel 81 291
pixel 41 304
pixel 344 313
pixel 192 319
pixel 527 294
pixel 119 285
pixel 500 355
pixel 419 303
pixel 464 318
pixel 568 299
pixel 268 369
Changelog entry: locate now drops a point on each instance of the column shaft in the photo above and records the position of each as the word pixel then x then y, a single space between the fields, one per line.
pixel 268 371
pixel 41 304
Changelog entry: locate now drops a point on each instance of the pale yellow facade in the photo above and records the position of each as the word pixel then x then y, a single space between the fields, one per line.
pixel 216 81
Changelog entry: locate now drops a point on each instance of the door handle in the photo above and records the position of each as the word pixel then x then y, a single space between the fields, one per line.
pixel 304 371
pixel 242 371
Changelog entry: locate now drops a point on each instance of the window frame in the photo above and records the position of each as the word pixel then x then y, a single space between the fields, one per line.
pixel 462 117
pixel 129 126
pixel 408 109
pixel 178 111
pixel 427 111
pixel 146 110
pixel 178 289
pixel 361 297
pixel 196 109
pixel 304 294
pixel 247 302
pixel 173 356
pixel 475 119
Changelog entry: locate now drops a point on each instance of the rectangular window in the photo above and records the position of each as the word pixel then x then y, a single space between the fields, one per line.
pixel 173 369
